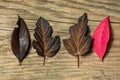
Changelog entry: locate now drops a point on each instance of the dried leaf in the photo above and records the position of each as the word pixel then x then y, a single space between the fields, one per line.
pixel 79 41
pixel 20 42
pixel 45 45
pixel 101 38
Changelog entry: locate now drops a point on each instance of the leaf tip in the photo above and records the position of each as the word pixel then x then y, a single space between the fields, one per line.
pixel 41 18
pixel 18 16
pixel 107 18
pixel 19 20
pixel 20 63
pixel 101 58
pixel 85 14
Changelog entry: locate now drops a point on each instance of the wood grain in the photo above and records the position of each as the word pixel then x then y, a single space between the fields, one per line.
pixel 61 14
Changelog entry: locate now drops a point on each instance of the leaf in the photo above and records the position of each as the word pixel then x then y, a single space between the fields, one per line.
pixel 79 42
pixel 20 41
pixel 101 38
pixel 45 45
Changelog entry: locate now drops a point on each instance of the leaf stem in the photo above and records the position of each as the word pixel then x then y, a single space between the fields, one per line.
pixel 44 60
pixel 78 59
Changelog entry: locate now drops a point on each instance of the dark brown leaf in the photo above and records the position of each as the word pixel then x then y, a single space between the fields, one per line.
pixel 20 42
pixel 79 41
pixel 45 45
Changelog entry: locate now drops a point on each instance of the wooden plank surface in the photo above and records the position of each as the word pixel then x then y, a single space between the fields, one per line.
pixel 61 14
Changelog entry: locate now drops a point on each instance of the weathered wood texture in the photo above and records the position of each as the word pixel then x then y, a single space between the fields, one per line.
pixel 61 14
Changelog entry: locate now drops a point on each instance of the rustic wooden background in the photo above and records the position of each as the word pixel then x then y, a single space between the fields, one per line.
pixel 61 14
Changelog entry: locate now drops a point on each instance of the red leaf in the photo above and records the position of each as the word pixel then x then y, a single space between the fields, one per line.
pixel 101 38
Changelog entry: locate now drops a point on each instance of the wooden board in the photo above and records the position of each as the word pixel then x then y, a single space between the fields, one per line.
pixel 61 14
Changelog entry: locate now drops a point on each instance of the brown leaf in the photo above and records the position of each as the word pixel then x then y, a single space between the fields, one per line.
pixel 79 41
pixel 20 42
pixel 45 45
